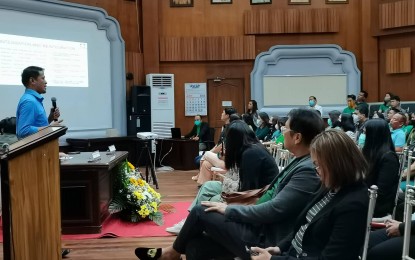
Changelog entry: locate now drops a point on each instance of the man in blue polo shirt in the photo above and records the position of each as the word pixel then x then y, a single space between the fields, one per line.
pixel 398 135
pixel 31 115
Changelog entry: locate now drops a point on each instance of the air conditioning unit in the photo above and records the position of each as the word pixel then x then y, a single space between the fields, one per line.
pixel 162 103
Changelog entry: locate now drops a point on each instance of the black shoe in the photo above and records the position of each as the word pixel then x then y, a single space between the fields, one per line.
pixel 65 251
pixel 145 253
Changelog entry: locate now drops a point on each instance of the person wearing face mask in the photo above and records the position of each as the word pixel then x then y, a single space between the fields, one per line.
pixel 263 126
pixel 199 132
pixel 334 119
pixel 312 102
pixel 351 104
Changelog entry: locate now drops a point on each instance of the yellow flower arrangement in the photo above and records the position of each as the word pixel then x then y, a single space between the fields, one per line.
pixel 133 198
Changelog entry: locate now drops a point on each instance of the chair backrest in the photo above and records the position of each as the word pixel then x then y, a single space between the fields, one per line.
pixel 210 143
pixel 373 194
pixel 282 158
pixel 409 203
pixel 411 159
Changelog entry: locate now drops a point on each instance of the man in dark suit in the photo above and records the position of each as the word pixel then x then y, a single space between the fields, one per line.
pixel 200 132
pixel 216 229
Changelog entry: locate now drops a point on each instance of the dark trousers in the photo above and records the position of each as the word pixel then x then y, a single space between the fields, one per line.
pixel 206 235
pixel 382 247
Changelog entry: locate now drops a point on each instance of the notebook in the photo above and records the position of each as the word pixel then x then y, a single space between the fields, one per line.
pixel 176 133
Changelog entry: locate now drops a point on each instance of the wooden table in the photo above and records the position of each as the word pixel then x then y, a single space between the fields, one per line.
pixel 86 191
pixel 178 153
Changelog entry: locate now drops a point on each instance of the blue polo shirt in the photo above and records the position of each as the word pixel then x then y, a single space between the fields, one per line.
pixel 398 137
pixel 30 114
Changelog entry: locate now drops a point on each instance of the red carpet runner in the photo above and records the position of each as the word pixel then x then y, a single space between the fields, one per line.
pixel 114 227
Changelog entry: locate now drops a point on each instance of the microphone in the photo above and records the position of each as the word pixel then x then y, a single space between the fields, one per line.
pixel 53 99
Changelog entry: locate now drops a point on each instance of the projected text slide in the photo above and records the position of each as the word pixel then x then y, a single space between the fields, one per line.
pixel 65 62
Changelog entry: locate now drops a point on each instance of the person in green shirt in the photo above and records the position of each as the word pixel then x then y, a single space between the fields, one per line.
pixel 386 103
pixel 351 104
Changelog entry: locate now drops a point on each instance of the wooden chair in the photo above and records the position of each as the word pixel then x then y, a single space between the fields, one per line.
pixel 373 194
pixel 409 204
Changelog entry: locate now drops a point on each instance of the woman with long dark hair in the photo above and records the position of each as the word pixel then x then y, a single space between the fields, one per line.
pixel 380 154
pixel 252 113
pixel 263 126
pixel 249 166
pixel 347 125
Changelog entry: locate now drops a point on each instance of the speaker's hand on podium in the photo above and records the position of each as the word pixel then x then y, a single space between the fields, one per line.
pixel 56 123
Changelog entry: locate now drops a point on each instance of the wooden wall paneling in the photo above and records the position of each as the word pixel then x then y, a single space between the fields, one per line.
pixel 369 54
pixel 207 48
pixel 151 36
pixel 134 64
pixel 400 84
pixel 186 72
pixel 305 21
pixel 291 21
pixel 277 21
pixel 333 20
pixel 292 18
pixel 397 14
pixel 398 60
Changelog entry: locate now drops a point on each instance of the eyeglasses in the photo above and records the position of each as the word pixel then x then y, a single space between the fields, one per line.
pixel 285 129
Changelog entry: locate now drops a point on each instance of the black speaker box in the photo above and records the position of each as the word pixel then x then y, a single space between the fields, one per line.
pixel 140 101
pixel 138 123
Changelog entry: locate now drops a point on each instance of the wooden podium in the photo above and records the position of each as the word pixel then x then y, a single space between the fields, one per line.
pixel 30 182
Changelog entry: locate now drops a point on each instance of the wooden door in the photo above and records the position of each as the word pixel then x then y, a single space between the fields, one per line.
pixel 222 93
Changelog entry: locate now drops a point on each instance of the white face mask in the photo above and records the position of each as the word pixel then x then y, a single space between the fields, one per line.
pixel 276 126
pixel 258 121
pixel 355 119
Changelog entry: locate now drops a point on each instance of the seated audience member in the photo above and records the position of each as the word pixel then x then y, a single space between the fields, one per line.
pixel 216 229
pixel 333 225
pixel 362 113
pixel 398 135
pixel 312 101
pixel 334 119
pixel 199 132
pixel 378 114
pixel 386 103
pixel 351 104
pixel 276 130
pixel 383 172
pixel 387 243
pixel 391 113
pixel 361 99
pixel 263 126
pixel 407 127
pixel 250 166
pixel 277 137
pixel 252 114
pixel 347 125
pixel 213 157
pixel 396 104
pixel 404 173
pixel 246 118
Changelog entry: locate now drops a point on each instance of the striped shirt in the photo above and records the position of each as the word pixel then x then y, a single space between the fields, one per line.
pixel 298 239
